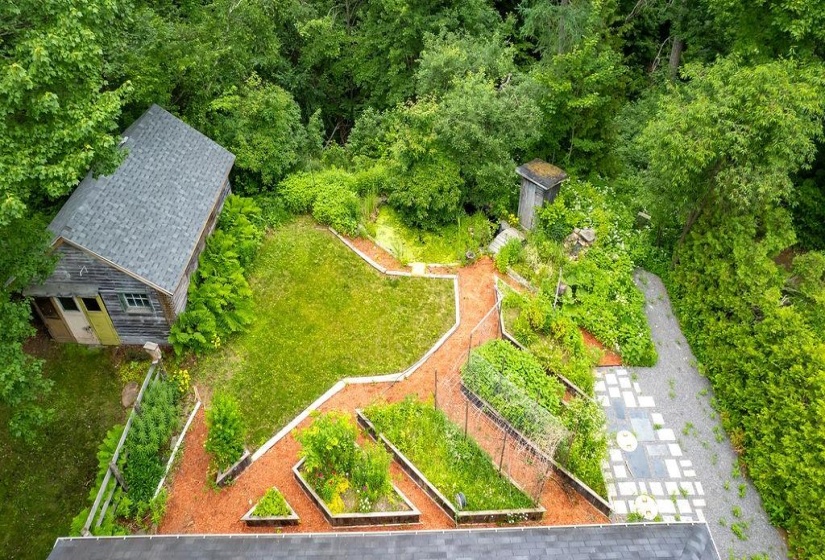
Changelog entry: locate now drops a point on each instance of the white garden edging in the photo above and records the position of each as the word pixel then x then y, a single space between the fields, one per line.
pixel 385 378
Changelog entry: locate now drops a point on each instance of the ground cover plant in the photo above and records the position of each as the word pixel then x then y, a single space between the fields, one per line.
pixel 272 504
pixel 452 463
pixel 348 477
pixel 42 485
pixel 444 244
pixel 552 337
pixel 514 383
pixel 322 314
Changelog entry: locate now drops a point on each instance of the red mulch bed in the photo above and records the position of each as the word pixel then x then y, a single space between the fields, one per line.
pixel 609 357
pixel 195 506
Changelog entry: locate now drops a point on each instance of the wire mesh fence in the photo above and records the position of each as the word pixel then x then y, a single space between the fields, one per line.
pixel 509 450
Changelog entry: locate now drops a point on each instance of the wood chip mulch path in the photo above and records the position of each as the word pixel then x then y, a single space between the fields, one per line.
pixel 195 506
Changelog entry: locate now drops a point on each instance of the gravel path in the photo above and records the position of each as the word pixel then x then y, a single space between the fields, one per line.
pixel 683 398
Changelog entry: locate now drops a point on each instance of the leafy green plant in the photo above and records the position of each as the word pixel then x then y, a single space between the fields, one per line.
pixel 335 464
pixel 227 433
pixel 551 336
pixel 451 462
pixel 509 254
pixel 525 370
pixel 220 299
pixel 147 443
pixel 272 504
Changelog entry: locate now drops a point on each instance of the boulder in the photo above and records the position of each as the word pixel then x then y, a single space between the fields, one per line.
pixel 129 394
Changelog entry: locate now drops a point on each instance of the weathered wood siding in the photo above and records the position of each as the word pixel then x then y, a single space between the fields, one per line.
pixel 530 197
pixel 178 300
pixel 81 268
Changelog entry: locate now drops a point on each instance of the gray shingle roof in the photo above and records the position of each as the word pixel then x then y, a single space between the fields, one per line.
pixel 148 215
pixel 674 541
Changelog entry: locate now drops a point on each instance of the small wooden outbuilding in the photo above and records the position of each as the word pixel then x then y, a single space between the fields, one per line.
pixel 540 183
pixel 128 243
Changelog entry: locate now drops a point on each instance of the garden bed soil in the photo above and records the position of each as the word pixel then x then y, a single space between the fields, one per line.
pixel 195 507
pixel 609 357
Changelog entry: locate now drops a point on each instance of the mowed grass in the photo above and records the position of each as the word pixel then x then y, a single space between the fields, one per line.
pixel 322 314
pixel 44 485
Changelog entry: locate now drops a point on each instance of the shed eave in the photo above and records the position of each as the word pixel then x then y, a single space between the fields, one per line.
pixel 60 239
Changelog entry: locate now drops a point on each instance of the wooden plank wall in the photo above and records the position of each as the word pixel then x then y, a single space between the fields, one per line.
pixel 79 267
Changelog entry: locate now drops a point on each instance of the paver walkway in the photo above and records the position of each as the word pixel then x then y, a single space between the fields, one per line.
pixel 684 459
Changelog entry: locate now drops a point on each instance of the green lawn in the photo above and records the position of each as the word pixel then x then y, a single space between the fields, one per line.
pixel 44 486
pixel 322 314
pixel 448 244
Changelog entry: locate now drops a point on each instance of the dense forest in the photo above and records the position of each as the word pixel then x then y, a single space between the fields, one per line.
pixel 707 115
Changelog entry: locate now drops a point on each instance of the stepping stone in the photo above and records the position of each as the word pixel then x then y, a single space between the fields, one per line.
pixel 418 269
pixel 643 429
pixel 129 394
pixel 638 463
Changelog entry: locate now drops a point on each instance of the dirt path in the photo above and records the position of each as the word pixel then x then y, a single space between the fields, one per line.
pixel 194 506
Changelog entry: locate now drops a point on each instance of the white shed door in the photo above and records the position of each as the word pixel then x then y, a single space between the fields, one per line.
pixel 76 320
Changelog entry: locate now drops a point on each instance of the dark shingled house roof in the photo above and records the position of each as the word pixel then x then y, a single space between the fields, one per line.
pixel 663 541
pixel 146 218
pixel 542 173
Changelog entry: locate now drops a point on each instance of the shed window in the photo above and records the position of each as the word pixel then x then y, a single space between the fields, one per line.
pixel 68 304
pixel 136 303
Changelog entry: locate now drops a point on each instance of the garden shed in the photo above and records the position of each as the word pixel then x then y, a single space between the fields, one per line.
pixel 128 243
pixel 540 183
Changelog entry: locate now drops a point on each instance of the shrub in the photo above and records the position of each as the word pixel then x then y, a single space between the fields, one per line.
pixel 227 433
pixel 272 504
pixel 337 208
pixel 334 464
pixel 373 180
pixel 220 299
pixel 509 254
pixel 329 442
pixel 329 195
pixel 273 210
pixel 523 369
pixel 300 190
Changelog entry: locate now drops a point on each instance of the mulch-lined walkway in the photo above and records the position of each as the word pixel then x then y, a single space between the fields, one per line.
pixel 195 506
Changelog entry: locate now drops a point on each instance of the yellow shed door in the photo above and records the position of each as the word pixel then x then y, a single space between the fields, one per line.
pixel 100 321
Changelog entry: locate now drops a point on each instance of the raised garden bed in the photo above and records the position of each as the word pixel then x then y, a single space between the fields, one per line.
pixel 406 512
pixel 529 511
pixel 512 383
pixel 273 501
pixel 573 356
pixel 566 476
pixel 225 477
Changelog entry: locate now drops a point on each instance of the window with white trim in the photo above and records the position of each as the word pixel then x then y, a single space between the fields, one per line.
pixel 135 303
